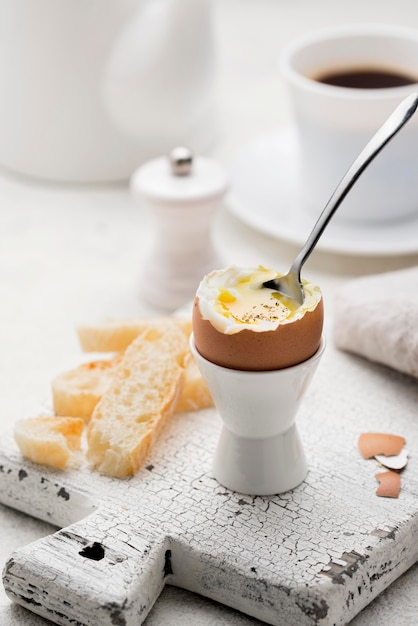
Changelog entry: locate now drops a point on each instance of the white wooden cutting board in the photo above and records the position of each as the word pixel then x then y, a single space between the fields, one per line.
pixel 316 555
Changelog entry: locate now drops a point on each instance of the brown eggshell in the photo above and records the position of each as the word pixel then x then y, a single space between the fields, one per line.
pixel 288 345
pixel 371 444
pixel 389 484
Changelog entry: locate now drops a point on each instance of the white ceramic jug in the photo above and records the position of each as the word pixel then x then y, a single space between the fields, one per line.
pixel 90 89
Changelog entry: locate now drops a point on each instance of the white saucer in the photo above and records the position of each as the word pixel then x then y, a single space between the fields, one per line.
pixel 263 183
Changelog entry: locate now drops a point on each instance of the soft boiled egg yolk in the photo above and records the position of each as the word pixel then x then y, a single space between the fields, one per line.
pixel 234 298
pixel 238 323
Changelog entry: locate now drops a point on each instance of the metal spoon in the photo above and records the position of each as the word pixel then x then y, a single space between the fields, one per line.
pixel 290 284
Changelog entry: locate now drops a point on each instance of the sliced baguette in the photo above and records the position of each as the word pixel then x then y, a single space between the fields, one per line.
pixel 51 441
pixel 142 395
pixel 76 392
pixel 116 335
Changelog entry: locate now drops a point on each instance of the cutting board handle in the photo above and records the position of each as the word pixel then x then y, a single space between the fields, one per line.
pixel 91 572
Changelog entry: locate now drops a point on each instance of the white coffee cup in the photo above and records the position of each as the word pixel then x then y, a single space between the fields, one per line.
pixel 259 451
pixel 334 123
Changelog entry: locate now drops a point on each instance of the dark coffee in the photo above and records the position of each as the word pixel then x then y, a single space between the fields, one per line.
pixel 366 78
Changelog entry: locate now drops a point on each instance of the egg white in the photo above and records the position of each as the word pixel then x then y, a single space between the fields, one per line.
pixel 234 298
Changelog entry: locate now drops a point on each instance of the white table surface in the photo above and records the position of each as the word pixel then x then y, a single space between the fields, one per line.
pixel 71 254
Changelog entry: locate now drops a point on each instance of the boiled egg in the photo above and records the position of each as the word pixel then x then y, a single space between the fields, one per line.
pixel 240 324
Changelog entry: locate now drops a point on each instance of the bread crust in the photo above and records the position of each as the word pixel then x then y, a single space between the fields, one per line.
pixel 115 335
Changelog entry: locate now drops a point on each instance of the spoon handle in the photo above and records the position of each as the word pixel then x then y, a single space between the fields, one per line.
pixel 386 132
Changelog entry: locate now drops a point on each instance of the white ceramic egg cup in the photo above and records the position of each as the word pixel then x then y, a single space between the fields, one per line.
pixel 259 451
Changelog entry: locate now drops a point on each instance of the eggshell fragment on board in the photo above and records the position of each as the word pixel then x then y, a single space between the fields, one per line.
pixel 389 484
pixel 396 462
pixel 372 444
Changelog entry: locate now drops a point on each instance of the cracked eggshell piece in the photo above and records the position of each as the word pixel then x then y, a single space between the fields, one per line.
pixel 396 462
pixel 389 484
pixel 372 444
pixel 241 325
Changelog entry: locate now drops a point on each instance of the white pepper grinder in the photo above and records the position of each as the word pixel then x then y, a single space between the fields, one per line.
pixel 183 193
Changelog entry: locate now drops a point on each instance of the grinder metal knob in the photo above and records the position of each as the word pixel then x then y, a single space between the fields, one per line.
pixel 181 161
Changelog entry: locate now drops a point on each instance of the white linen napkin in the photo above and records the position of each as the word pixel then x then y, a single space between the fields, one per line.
pixel 377 318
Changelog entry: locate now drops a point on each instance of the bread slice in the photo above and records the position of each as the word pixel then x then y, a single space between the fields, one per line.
pixel 115 335
pixel 142 395
pixel 52 441
pixel 76 392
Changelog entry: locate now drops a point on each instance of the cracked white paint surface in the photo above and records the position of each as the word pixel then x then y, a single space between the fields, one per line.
pixel 316 555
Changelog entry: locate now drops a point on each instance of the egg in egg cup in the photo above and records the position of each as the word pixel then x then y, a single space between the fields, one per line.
pixel 259 451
